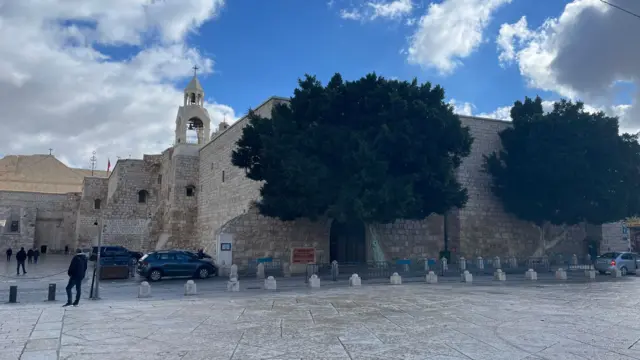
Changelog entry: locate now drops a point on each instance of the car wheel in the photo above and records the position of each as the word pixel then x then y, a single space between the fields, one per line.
pixel 203 273
pixel 155 275
pixel 623 271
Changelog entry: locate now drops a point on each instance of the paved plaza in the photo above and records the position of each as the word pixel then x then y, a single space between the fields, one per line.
pixel 579 320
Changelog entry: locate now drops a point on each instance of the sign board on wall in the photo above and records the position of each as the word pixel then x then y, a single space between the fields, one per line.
pixel 632 222
pixel 303 255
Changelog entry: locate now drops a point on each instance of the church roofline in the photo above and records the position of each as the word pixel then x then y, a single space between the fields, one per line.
pixel 282 98
pixel 279 98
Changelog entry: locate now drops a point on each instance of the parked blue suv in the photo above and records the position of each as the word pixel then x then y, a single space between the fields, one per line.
pixel 175 263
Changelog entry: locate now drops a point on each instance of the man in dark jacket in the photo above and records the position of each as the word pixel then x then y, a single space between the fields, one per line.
pixel 30 256
pixel 77 269
pixel 21 256
pixel 9 253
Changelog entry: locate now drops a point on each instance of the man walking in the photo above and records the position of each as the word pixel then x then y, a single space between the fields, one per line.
pixel 21 256
pixel 30 256
pixel 77 269
pixel 9 253
pixel 36 255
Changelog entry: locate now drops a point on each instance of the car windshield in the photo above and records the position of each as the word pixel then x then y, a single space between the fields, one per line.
pixel 144 257
pixel 610 255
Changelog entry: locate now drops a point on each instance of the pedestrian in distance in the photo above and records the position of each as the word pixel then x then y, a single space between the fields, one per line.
pixel 36 255
pixel 21 256
pixel 30 256
pixel 9 253
pixel 76 272
pixel 66 249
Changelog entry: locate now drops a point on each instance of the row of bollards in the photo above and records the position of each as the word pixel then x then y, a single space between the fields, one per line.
pixel 13 293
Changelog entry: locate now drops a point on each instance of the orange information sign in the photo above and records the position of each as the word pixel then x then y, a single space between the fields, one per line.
pixel 303 255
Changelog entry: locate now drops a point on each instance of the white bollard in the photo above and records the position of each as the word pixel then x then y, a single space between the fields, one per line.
pixel 500 275
pixel 190 288
pixel 463 264
pixel 260 271
pixel 531 275
pixel 233 285
pixel 233 272
pixel 144 291
pixel 355 280
pixel 496 262
pixel 590 273
pixel 314 281
pixel 466 277
pixel 445 264
pixel 574 260
pixel 286 269
pixel 480 263
pixel 270 283
pixel 561 274
pixel 395 279
pixel 432 278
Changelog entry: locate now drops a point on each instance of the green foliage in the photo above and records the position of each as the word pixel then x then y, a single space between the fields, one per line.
pixel 374 150
pixel 565 166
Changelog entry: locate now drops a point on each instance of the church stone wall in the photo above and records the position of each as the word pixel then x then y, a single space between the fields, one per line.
pixel 45 219
pixel 86 229
pixel 485 228
pixel 256 236
pixel 225 191
pixel 127 222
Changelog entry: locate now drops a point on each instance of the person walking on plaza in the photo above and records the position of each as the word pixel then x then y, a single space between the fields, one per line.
pixel 36 255
pixel 9 253
pixel 76 272
pixel 21 256
pixel 30 256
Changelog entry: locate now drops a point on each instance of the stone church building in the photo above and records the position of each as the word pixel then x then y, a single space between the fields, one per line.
pixel 190 196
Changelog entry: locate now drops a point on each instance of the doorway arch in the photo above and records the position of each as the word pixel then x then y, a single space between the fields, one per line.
pixel 347 242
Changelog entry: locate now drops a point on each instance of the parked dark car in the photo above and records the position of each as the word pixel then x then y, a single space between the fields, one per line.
pixel 110 251
pixel 175 263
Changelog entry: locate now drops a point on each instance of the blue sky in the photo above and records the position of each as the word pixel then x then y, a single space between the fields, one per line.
pixel 261 49
pixel 107 76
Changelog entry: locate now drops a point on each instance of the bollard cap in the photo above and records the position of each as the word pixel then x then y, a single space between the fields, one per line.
pixel 354 276
pixel 395 274
pixel 270 278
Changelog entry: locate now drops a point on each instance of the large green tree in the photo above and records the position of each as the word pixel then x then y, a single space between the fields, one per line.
pixel 564 167
pixel 372 150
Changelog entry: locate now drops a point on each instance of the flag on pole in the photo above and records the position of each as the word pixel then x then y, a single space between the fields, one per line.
pixel 108 165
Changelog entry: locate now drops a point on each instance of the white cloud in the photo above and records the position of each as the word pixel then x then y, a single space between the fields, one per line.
pixel 504 112
pixel 379 9
pixel 462 108
pixel 57 90
pixel 451 31
pixel 581 54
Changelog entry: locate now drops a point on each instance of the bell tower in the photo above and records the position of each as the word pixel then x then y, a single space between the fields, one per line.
pixel 192 115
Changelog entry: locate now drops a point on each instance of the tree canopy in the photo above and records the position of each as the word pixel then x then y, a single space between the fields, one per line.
pixel 565 166
pixel 373 150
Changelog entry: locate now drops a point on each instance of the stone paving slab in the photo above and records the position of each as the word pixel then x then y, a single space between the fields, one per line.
pixel 598 320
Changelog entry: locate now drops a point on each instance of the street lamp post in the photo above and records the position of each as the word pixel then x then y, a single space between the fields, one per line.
pixel 96 290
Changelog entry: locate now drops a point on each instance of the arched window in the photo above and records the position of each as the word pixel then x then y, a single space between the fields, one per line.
pixel 191 190
pixel 142 196
pixel 96 204
pixel 193 98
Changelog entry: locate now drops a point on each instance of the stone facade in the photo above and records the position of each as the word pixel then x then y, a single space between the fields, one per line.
pixel 41 219
pixel 190 196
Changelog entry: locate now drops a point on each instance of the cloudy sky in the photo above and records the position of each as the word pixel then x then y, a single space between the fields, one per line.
pixel 91 75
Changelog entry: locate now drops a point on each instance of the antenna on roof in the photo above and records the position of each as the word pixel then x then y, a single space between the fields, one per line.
pixel 93 161
pixel 50 150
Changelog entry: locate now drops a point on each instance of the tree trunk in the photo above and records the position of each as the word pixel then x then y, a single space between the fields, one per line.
pixel 543 244
pixel 376 250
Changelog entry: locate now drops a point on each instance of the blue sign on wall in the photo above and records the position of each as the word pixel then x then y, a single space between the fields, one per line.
pixel 403 262
pixel 265 260
pixel 431 262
